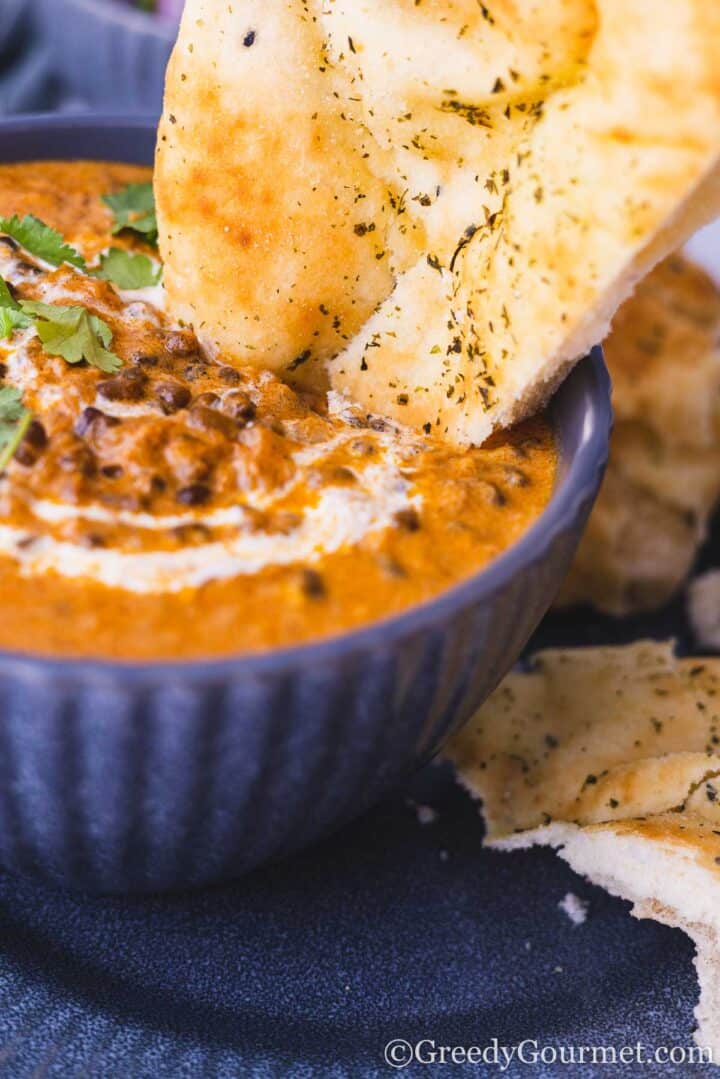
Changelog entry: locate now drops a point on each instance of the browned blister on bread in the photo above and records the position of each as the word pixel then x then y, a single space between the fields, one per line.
pixel 438 207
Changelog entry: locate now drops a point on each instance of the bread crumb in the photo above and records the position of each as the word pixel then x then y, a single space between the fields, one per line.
pixel 704 609
pixel 425 814
pixel 575 908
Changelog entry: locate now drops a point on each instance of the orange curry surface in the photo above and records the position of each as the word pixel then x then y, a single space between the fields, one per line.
pixel 181 508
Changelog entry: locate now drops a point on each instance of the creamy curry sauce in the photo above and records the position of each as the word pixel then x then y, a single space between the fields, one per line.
pixel 182 508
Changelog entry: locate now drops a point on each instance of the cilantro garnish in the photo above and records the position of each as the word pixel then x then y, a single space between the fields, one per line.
pixel 11 320
pixel 74 334
pixel 126 270
pixel 71 332
pixel 11 316
pixel 6 297
pixel 122 268
pixel 42 241
pixel 14 422
pixel 134 208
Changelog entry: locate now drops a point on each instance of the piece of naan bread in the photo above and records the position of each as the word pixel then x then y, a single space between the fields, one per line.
pixel 704 609
pixel 438 206
pixel 663 479
pixel 664 355
pixel 637 550
pixel 612 755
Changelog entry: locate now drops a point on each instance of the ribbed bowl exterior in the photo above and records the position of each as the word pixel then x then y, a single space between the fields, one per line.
pixel 111 56
pixel 146 777
pixel 159 783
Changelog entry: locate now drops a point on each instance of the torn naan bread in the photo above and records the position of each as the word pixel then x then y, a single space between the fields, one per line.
pixel 612 755
pixel 663 478
pixel 438 207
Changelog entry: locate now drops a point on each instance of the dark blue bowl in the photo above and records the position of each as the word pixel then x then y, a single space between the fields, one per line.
pixel 126 777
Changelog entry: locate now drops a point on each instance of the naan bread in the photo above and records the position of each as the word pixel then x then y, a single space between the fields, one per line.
pixel 437 206
pixel 663 479
pixel 704 609
pixel 612 755
pixel 664 355
pixel 636 552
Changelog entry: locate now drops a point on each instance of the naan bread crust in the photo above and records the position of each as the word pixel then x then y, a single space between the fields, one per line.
pixel 612 755
pixel 437 206
pixel 663 478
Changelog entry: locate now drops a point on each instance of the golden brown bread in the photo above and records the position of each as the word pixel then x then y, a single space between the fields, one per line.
pixel 663 479
pixel 613 756
pixel 664 357
pixel 441 205
pixel 590 735
pixel 260 189
pixel 636 552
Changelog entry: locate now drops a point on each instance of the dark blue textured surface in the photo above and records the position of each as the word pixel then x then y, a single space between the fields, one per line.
pixel 79 54
pixel 28 78
pixel 105 53
pixel 391 929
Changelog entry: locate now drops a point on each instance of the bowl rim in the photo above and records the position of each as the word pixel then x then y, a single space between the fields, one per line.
pixel 120 14
pixel 584 471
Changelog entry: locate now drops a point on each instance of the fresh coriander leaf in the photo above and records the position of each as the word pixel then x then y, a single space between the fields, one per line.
pixel 126 270
pixel 74 334
pixel 11 317
pixel 40 240
pixel 87 340
pixel 11 404
pixel 6 297
pixel 134 208
pixel 14 422
pixel 11 320
pixel 51 312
